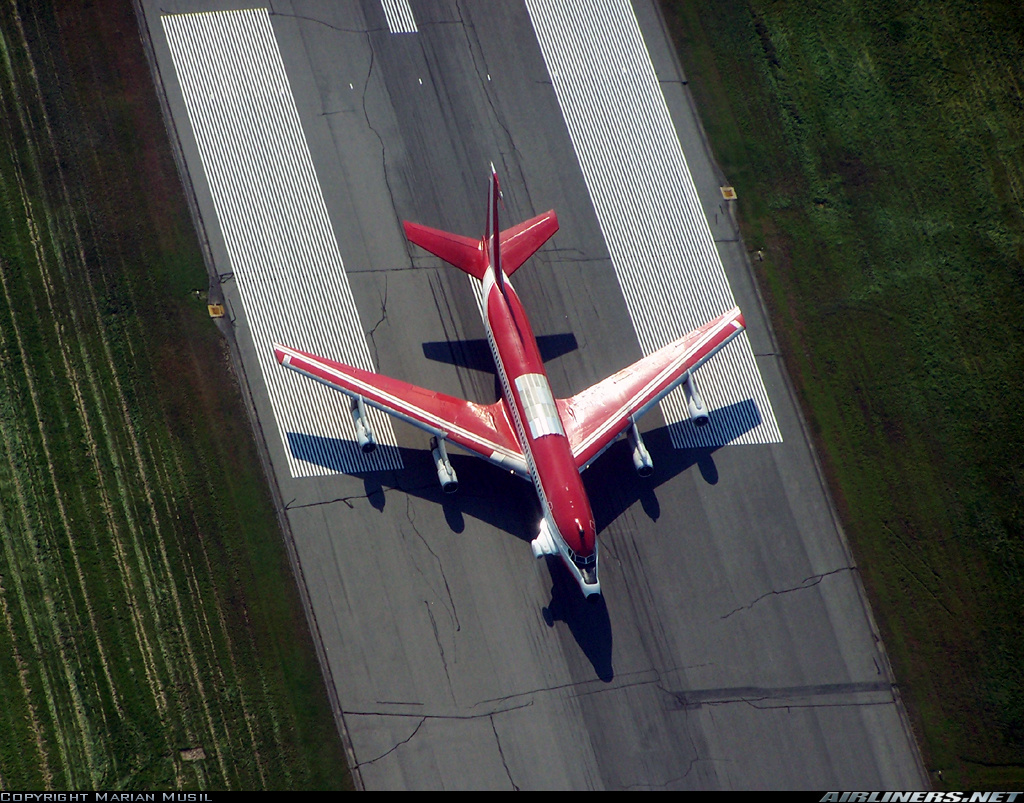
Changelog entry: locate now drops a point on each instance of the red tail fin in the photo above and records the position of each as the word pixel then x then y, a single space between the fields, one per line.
pixel 492 240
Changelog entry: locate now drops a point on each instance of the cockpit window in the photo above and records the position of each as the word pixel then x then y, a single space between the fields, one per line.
pixel 587 566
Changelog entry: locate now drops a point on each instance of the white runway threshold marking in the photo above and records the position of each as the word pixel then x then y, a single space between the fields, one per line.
pixel 272 214
pixel 647 206
pixel 399 16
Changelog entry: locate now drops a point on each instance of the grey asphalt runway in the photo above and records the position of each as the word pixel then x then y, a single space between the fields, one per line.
pixel 733 648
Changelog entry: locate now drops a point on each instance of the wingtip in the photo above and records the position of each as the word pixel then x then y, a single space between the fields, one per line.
pixel 553 217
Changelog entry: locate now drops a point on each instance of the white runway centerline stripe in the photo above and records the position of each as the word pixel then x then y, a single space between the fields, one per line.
pixel 272 214
pixel 647 206
pixel 399 16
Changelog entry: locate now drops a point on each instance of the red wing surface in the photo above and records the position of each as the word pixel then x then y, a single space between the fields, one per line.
pixel 484 430
pixel 596 416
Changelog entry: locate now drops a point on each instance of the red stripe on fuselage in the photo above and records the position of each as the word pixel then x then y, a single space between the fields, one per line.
pixel 549 457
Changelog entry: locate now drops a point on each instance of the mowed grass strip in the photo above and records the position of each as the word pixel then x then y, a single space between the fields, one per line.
pixel 146 601
pixel 878 152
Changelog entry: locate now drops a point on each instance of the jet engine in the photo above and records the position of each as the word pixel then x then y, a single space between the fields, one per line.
pixel 445 473
pixel 698 412
pixel 364 434
pixel 543 544
pixel 641 457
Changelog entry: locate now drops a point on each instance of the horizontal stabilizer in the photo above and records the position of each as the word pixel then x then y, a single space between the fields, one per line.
pixel 463 253
pixel 520 242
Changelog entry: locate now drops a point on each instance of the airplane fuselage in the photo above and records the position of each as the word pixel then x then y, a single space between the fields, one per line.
pixel 525 432
pixel 564 502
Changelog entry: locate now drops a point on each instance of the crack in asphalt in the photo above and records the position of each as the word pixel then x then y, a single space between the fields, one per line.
pixel 346 500
pixel 448 592
pixel 304 18
pixel 423 718
pixel 387 753
pixel 501 753
pixel 807 582
pixel 668 782
pixel 376 133
pixel 483 82
pixel 365 32
pixel 599 689
pixel 440 649
pixel 396 486
pixel 383 317
pixel 456 717
pixel 760 699
pixel 753 704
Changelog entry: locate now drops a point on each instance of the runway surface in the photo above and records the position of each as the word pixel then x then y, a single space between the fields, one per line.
pixel 733 648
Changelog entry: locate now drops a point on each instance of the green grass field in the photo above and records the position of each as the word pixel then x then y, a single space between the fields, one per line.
pixel 878 152
pixel 147 606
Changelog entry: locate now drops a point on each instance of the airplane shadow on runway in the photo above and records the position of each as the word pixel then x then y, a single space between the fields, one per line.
pixel 506 502
pixel 613 487
pixel 476 354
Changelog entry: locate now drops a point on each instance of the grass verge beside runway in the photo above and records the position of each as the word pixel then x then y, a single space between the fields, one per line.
pixel 878 152
pixel 147 608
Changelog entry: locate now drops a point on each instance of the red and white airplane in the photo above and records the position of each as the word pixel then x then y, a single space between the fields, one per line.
pixel 528 432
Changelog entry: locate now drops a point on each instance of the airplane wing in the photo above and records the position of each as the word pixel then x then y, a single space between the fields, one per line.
pixel 484 430
pixel 596 416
